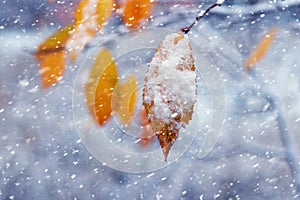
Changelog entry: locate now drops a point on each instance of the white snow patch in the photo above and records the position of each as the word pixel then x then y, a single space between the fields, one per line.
pixel 220 1
pixel 24 83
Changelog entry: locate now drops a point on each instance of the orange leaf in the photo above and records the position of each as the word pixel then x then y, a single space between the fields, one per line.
pixel 124 100
pixel 90 17
pixel 99 88
pixel 52 58
pixel 52 67
pixel 136 11
pixel 261 49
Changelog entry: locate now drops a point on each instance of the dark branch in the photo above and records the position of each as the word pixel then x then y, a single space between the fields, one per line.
pixel 187 29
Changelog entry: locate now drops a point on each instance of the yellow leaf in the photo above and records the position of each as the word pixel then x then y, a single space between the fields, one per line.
pixel 103 11
pixel 56 41
pixel 124 100
pixel 90 17
pixel 261 49
pixel 137 11
pixel 52 67
pixel 99 88
pixel 98 9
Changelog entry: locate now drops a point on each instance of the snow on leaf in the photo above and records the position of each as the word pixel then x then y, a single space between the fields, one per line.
pixel 90 17
pixel 99 88
pixel 169 92
pixel 124 100
pixel 52 58
pixel 261 49
pixel 137 11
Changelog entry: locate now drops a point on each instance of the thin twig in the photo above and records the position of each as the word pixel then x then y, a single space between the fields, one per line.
pixel 187 29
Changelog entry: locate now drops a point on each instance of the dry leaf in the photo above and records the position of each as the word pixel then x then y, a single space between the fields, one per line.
pixel 146 134
pixel 261 49
pixel 90 17
pixel 99 88
pixel 52 58
pixel 137 11
pixel 124 100
pixel 169 92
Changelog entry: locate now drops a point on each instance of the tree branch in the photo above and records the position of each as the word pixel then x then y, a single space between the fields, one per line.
pixel 187 29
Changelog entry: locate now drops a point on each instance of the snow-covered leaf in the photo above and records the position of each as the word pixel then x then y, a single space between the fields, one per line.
pixel 169 93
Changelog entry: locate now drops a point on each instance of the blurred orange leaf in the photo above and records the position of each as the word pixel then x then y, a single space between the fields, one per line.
pixel 137 11
pixel 52 58
pixel 124 100
pixel 90 17
pixel 52 67
pixel 99 88
pixel 261 49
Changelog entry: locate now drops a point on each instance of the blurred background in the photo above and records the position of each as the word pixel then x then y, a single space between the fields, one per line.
pixel 256 157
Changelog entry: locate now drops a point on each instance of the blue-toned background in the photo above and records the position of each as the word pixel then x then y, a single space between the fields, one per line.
pixel 256 157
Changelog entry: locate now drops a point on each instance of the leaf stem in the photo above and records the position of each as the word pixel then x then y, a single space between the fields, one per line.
pixel 187 29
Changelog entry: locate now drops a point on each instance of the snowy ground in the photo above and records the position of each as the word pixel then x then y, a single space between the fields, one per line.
pixel 256 157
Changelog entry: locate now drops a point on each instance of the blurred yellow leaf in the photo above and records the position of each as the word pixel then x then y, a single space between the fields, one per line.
pixel 90 17
pixel 52 58
pixel 261 49
pixel 124 100
pixel 99 88
pixel 96 9
pixel 137 11
pixel 56 41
